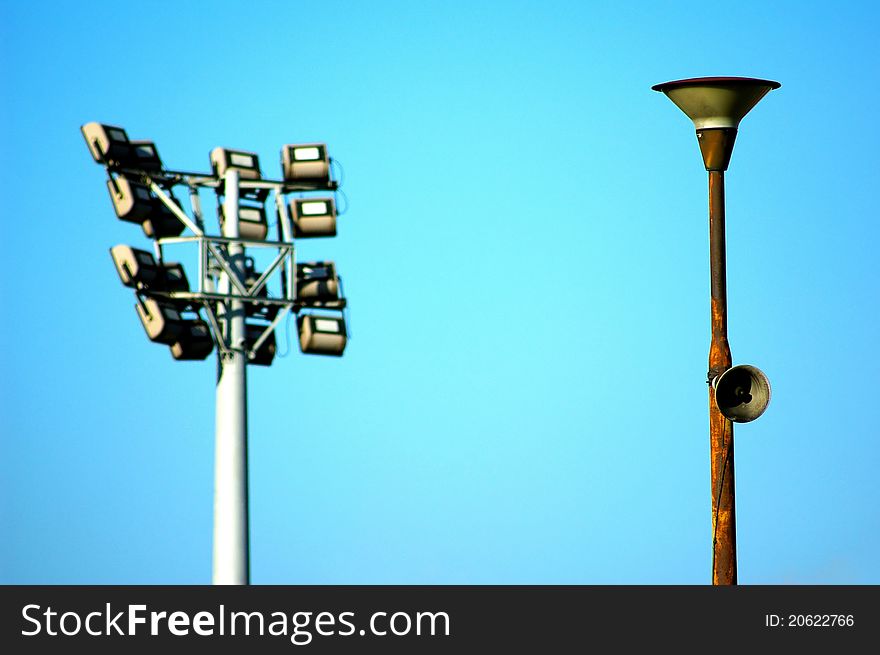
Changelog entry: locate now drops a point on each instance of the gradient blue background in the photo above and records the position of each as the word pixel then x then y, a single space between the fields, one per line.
pixel 526 255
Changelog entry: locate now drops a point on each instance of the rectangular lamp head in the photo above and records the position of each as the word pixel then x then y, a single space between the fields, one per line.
pixel 313 217
pixel 316 282
pixel 307 163
pixel 195 342
pixel 252 223
pixel 266 352
pixel 108 144
pixel 136 268
pixel 161 320
pixel 173 277
pixel 246 163
pixel 144 157
pixel 162 222
pixel 132 201
pixel 322 335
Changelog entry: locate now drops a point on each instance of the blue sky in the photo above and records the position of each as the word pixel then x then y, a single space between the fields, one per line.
pixel 526 258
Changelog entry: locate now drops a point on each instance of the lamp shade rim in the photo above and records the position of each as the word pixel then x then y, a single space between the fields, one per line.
pixel 715 81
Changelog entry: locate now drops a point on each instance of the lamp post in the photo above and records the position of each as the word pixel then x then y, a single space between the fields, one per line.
pixel 230 561
pixel 716 105
pixel 242 314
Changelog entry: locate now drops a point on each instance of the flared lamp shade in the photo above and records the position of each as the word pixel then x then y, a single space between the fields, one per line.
pixel 716 102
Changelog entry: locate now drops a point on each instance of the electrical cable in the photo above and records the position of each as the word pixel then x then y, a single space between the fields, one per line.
pixel 346 317
pixel 286 337
pixel 336 194
pixel 341 180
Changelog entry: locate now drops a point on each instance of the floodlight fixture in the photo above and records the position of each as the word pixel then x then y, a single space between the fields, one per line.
pixel 173 277
pixel 252 223
pixel 162 222
pixel 195 343
pixel 266 352
pixel 261 310
pixel 108 144
pixel 316 282
pixel 322 335
pixel 111 146
pixel 313 217
pixel 144 157
pixel 132 201
pixel 246 163
pixel 306 163
pixel 161 320
pixel 136 268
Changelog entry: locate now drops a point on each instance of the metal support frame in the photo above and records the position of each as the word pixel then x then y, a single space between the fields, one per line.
pixel 172 206
pixel 267 331
pixel 210 251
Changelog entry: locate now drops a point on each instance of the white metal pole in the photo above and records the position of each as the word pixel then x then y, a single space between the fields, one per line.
pixel 230 455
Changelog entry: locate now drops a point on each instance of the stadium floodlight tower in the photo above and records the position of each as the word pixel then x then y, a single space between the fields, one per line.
pixel 241 312
pixel 737 394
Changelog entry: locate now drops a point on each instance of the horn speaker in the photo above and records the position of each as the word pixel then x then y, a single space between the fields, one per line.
pixel 742 393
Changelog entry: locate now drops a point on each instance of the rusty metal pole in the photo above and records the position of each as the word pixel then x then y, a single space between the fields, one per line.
pixel 716 147
pixel 720 428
